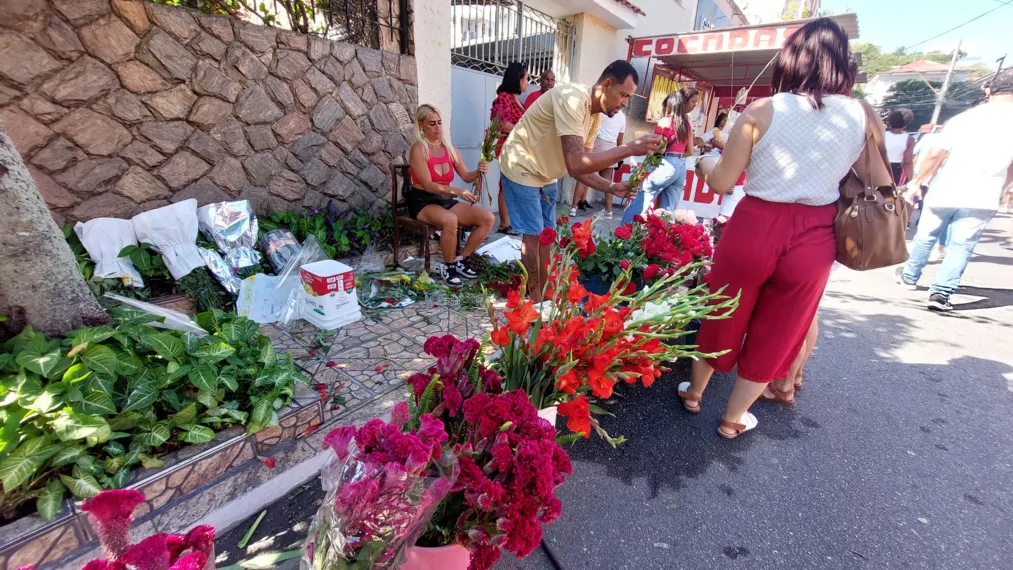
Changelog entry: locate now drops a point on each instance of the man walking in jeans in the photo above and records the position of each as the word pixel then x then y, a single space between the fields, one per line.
pixel 972 162
pixel 553 138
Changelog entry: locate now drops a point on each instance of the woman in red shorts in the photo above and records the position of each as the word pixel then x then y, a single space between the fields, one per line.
pixel 778 248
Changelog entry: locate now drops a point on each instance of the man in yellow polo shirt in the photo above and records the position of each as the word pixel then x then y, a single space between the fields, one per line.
pixel 554 137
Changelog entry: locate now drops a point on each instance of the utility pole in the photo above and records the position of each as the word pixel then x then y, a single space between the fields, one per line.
pixel 1000 61
pixel 946 85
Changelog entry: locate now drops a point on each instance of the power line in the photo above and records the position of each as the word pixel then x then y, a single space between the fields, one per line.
pixel 978 17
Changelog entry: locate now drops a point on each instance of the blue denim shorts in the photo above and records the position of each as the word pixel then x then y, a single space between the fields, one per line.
pixel 532 209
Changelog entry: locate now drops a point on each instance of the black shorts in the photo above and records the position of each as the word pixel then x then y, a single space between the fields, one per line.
pixel 419 199
pixel 897 168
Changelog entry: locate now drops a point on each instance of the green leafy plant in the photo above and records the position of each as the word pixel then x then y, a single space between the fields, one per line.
pixel 80 413
pixel 338 236
pixel 205 290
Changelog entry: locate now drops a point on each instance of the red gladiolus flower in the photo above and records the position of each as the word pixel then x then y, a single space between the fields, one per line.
pixel 547 237
pixel 576 293
pixel 269 461
pixel 595 302
pixel 624 232
pixel 330 364
pixel 501 336
pixel 112 511
pixel 513 299
pixel 579 415
pixel 562 220
pixel 309 430
pixel 601 385
pixel 651 271
pixel 519 320
pixel 624 264
pixel 629 289
pixel 568 382
pixel 380 369
pixel 582 237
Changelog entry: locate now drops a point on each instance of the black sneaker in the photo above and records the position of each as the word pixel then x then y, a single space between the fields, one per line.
pixel 463 268
pixel 898 276
pixel 450 275
pixel 583 206
pixel 940 303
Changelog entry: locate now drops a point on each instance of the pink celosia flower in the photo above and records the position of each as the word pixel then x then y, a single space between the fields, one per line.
pixel 192 561
pixel 177 545
pixel 152 553
pixel 399 414
pixel 202 539
pixel 112 513
pixel 338 440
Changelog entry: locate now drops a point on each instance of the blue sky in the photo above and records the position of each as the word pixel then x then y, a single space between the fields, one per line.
pixel 895 23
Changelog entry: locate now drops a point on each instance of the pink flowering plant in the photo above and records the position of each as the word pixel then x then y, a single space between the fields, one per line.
pixel 510 461
pixel 383 483
pixel 111 514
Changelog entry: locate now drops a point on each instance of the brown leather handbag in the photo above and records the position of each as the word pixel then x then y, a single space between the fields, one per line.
pixel 871 220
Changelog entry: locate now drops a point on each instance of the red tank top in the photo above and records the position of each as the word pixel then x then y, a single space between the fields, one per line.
pixel 436 177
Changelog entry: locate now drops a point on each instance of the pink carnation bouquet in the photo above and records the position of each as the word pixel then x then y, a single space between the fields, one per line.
pixel 383 483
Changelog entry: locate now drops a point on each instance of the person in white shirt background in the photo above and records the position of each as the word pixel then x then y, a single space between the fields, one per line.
pixel 610 135
pixel 971 168
pixel 900 145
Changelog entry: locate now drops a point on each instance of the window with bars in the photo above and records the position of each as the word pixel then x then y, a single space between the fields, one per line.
pixel 488 35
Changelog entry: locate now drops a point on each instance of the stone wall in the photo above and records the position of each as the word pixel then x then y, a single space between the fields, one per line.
pixel 120 106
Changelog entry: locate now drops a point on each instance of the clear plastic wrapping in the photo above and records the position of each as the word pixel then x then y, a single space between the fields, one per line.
pixel 172 320
pixel 372 513
pixel 280 246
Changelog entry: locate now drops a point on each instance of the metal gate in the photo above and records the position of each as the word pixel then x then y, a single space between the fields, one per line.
pixel 487 35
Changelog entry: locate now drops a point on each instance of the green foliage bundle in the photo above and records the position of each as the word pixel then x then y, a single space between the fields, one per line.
pixel 339 236
pixel 80 413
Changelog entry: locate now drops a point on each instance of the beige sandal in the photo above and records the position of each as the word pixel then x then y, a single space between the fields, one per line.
pixel 749 422
pixel 687 397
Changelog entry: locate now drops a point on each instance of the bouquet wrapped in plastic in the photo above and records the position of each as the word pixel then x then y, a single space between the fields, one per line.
pixel 381 491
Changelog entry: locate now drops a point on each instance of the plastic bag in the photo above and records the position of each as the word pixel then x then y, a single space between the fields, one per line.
pixel 310 252
pixel 233 228
pixel 172 320
pixel 173 230
pixel 400 509
pixel 370 262
pixel 280 246
pixel 104 238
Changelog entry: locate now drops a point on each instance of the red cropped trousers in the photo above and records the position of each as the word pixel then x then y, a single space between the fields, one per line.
pixel 777 257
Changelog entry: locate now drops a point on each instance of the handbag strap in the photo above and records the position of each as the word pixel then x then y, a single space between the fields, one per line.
pixel 872 138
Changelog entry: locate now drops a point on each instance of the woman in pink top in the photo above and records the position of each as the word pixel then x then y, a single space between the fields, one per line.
pixel 433 200
pixel 669 178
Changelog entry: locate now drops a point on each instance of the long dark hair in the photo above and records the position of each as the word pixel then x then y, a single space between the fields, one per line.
pixel 512 78
pixel 816 61
pixel 675 106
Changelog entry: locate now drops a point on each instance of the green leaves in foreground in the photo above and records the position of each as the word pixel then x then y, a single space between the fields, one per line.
pixel 79 414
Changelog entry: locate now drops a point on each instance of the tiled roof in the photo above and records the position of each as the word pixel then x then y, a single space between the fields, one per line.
pixel 632 6
pixel 920 66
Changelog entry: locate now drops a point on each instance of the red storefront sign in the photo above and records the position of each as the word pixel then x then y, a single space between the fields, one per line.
pixel 715 41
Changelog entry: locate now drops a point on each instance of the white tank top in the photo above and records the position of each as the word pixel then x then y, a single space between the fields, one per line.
pixel 896 144
pixel 806 152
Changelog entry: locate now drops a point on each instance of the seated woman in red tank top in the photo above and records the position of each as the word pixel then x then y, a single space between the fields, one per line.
pixel 433 200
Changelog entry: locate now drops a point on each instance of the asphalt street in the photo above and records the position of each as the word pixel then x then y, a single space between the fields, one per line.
pixel 898 455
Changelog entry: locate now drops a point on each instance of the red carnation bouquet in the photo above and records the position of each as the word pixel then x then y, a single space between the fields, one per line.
pixel 668 242
pixel 581 346
pixel 510 461
pixel 381 491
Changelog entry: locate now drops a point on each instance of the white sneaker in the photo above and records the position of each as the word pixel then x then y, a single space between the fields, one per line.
pixel 607 216
pixel 573 212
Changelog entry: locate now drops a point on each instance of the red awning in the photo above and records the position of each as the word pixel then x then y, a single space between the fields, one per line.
pixel 730 57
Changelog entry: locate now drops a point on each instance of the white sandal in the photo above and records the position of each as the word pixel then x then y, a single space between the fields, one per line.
pixel 749 422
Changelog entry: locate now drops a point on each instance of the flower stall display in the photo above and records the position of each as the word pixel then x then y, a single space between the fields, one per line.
pixel 509 458
pixel 111 514
pixel 381 491
pixel 577 349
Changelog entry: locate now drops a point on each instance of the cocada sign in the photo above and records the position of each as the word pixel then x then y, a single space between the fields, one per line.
pixel 717 41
